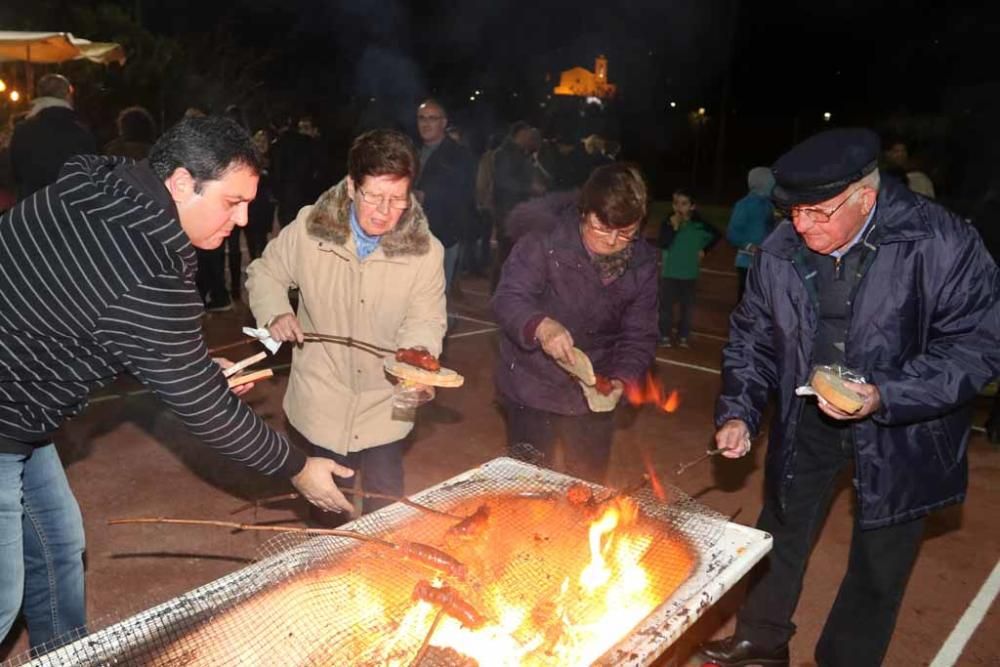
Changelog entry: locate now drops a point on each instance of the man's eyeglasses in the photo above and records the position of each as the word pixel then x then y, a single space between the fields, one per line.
pixel 395 203
pixel 614 235
pixel 818 214
pixel 429 118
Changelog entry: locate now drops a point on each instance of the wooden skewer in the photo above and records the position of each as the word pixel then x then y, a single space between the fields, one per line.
pixel 348 341
pixel 227 346
pixel 243 363
pixel 427 639
pixel 250 526
pixel 237 380
pixel 351 492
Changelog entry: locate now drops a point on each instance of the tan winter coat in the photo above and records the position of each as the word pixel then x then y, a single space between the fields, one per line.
pixel 339 397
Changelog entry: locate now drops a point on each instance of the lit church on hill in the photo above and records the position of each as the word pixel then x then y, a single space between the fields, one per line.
pixel 582 82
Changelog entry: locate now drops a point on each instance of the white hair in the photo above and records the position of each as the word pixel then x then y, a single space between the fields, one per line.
pixel 872 180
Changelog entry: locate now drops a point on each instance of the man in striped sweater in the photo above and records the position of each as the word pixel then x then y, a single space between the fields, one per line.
pixel 96 280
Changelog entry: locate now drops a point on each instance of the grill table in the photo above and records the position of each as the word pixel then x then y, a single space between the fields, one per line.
pixel 726 551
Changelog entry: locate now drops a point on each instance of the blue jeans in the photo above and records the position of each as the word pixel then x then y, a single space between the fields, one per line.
pixel 41 548
pixel 451 254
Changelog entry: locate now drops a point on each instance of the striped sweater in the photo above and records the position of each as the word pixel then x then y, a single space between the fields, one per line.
pixel 97 279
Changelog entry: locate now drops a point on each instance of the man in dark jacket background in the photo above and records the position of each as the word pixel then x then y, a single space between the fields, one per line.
pixel 446 185
pixel 52 133
pixel 894 287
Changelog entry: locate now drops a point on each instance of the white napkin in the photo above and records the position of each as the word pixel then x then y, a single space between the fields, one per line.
pixel 264 336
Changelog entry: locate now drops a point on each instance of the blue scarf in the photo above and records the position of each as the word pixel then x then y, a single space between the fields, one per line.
pixel 365 244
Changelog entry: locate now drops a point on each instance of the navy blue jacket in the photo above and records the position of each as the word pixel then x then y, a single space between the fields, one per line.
pixel 925 330
pixel 448 182
pixel 549 273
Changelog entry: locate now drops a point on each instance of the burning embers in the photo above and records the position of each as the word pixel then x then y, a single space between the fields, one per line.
pixel 550 579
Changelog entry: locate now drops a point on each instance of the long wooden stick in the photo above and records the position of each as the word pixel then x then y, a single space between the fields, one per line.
pixel 349 342
pixel 227 346
pixel 250 526
pixel 351 492
pixel 427 639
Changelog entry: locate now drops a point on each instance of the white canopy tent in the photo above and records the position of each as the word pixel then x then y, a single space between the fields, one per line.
pixel 54 47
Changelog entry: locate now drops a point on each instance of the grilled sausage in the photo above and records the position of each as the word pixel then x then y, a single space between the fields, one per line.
pixel 419 358
pixel 433 558
pixel 472 525
pixel 448 599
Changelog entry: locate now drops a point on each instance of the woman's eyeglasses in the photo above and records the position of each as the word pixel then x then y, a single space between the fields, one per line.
pixel 395 203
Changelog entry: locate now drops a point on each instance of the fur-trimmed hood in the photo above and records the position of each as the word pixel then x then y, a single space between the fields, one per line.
pixel 329 220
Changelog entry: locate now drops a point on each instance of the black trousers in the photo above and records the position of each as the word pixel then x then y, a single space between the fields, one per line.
pixel 860 625
pixel 211 276
pixel 675 291
pixel 586 438
pixel 379 469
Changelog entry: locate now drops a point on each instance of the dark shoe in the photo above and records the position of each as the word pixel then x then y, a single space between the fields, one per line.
pixel 732 652
pixel 665 342
pixel 682 342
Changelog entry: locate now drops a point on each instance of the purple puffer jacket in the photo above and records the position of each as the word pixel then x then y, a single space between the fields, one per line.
pixel 549 273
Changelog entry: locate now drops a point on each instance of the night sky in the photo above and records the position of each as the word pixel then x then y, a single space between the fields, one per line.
pixel 774 67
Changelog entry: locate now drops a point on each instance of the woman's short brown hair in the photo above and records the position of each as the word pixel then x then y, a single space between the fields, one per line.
pixel 382 153
pixel 616 194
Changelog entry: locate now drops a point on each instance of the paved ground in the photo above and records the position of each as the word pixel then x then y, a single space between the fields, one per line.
pixel 125 456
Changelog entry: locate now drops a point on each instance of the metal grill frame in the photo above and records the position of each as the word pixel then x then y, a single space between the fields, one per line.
pixel 729 552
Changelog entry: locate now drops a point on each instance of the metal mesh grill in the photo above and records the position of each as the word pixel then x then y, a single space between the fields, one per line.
pixel 338 601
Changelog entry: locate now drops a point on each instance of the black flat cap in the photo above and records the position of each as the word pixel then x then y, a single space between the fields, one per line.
pixel 824 165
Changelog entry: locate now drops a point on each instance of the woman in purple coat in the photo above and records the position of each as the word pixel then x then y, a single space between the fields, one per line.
pixel 582 276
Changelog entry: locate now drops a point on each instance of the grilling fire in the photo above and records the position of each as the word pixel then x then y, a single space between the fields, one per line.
pixel 553 578
pixel 590 612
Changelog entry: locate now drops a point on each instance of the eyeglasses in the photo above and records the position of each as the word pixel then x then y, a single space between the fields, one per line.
pixel 818 214
pixel 614 235
pixel 421 117
pixel 395 203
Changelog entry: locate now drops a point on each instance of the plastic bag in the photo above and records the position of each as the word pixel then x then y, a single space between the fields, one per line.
pixel 408 395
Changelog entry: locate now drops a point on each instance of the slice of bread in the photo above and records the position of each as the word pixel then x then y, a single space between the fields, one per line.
pixel 834 389
pixel 580 368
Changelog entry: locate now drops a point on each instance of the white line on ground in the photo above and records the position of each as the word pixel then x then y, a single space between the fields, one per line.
pixel 716 272
pixel 724 339
pixel 472 319
pixel 474 332
pixel 704 369
pixel 951 651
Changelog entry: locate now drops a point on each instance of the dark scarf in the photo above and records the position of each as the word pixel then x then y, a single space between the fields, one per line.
pixel 611 267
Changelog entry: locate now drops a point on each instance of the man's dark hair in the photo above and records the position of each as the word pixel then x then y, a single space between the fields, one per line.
pixel 518 126
pixel 54 85
pixel 616 194
pixel 136 124
pixel 382 153
pixel 207 146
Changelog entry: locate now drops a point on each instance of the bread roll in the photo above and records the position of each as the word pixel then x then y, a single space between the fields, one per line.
pixel 834 390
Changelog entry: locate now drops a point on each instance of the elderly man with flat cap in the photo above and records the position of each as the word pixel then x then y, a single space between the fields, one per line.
pixel 892 286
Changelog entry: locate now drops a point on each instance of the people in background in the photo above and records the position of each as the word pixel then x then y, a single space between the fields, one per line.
pixel 446 184
pixel 52 133
pixel 136 134
pixel 684 239
pixel 750 222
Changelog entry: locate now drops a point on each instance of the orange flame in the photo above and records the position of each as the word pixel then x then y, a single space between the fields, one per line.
pixel 652 392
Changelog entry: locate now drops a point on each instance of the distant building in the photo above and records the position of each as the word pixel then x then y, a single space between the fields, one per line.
pixel 582 82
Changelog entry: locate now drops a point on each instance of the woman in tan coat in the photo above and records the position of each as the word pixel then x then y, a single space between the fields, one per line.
pixel 366 266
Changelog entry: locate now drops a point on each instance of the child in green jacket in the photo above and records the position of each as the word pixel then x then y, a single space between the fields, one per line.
pixel 684 239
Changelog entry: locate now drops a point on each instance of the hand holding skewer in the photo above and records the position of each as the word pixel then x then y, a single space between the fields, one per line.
pixel 684 466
